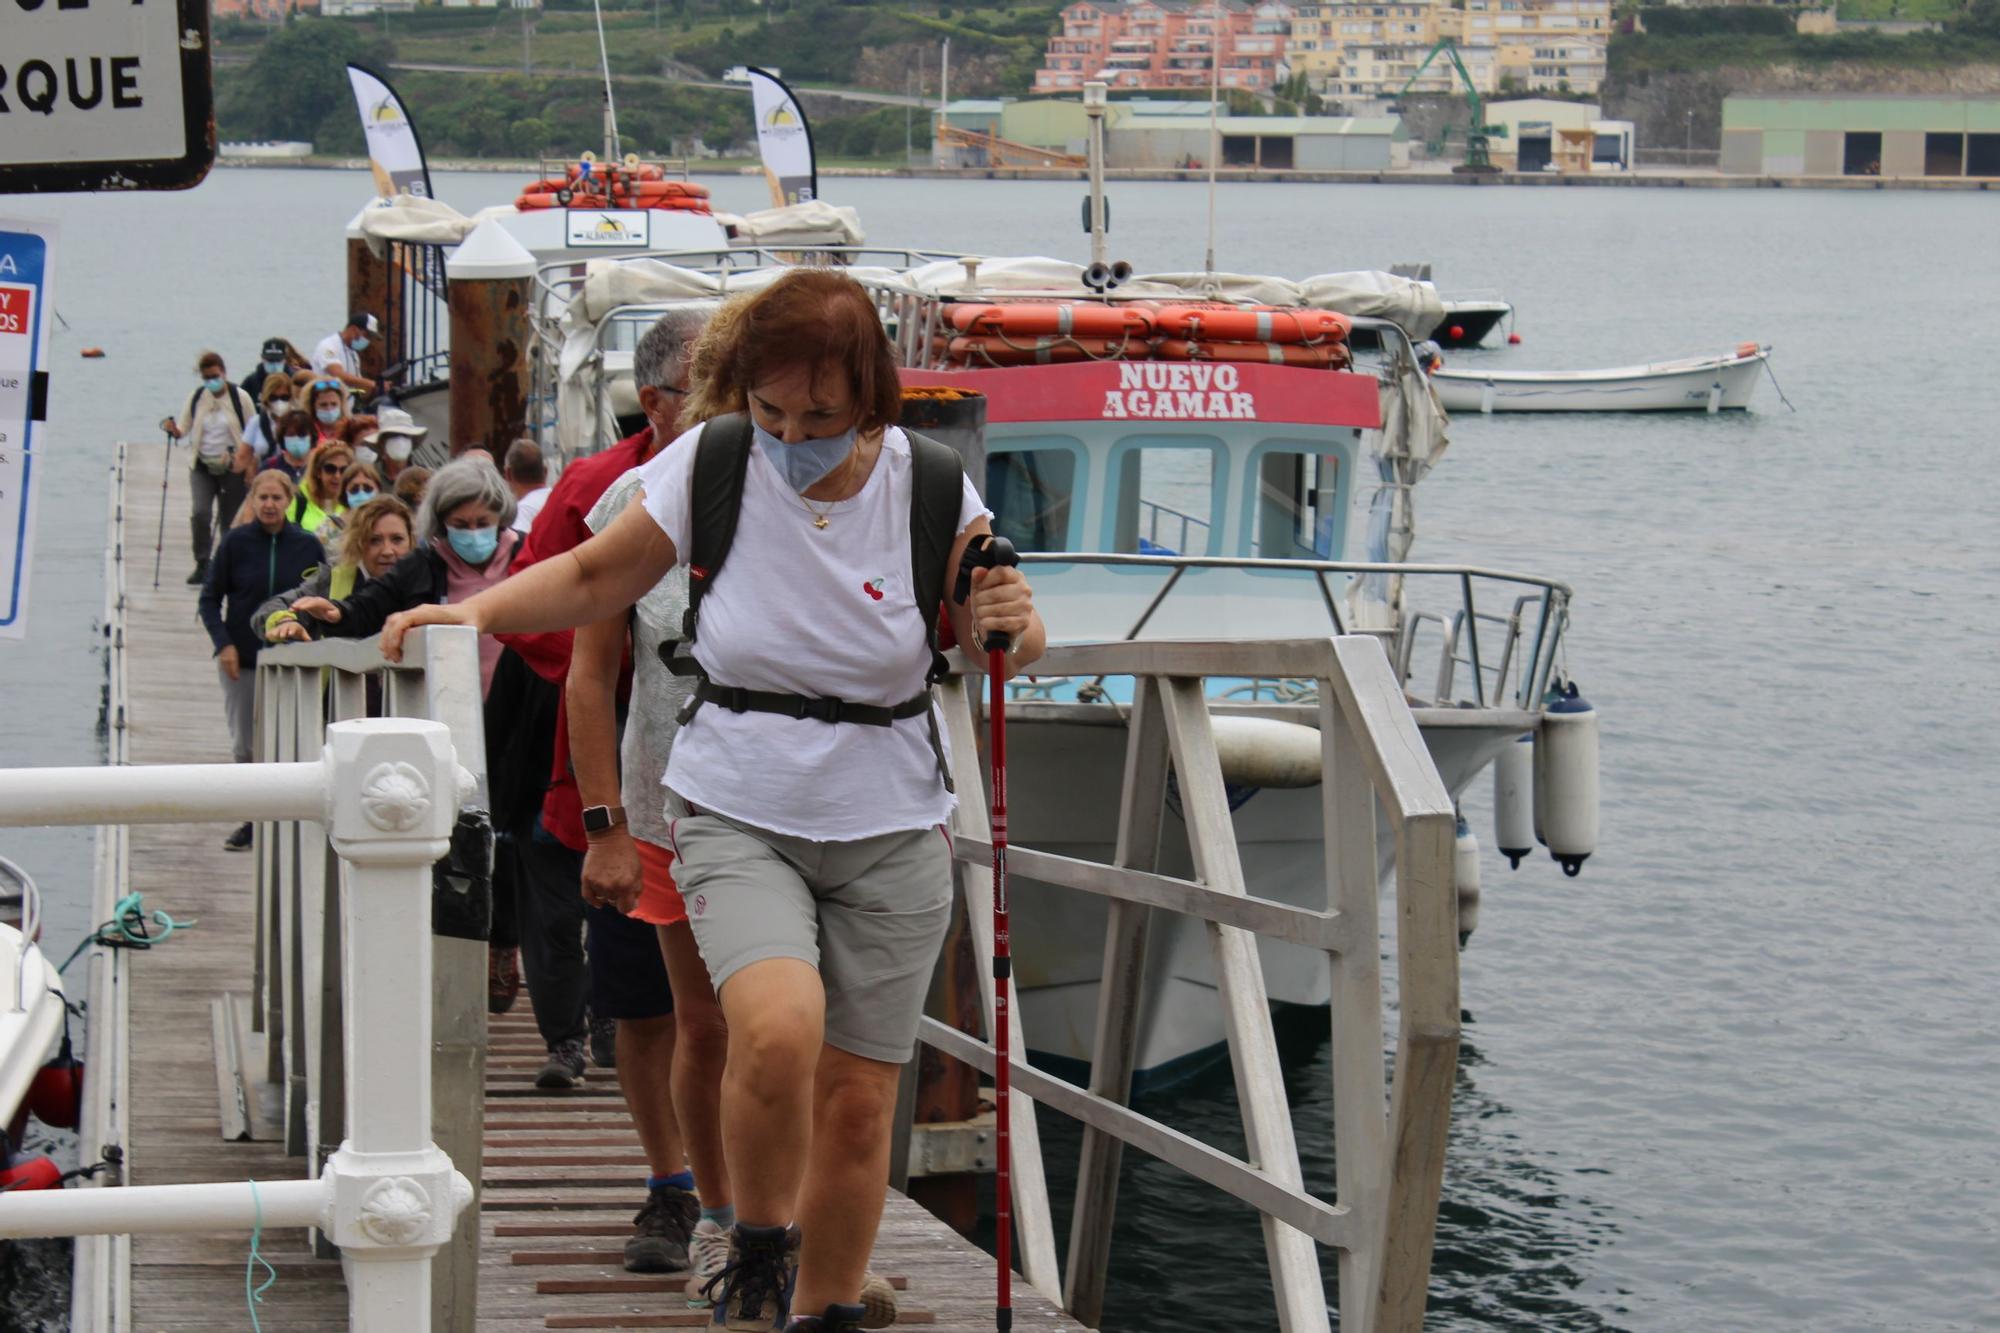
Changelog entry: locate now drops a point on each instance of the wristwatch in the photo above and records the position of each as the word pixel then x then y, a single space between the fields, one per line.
pixel 602 818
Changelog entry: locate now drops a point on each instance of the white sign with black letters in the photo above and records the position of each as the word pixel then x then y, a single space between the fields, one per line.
pixel 27 261
pixel 104 94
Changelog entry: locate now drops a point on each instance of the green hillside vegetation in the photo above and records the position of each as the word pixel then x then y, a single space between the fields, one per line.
pixel 1682 40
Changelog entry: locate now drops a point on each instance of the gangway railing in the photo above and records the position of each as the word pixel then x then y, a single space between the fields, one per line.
pixel 416 322
pixel 387 792
pixel 1388 1152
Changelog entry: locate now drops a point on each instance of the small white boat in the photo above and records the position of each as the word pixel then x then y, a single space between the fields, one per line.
pixel 31 996
pixel 1696 384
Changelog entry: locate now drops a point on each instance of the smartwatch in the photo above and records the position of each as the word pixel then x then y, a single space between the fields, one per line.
pixel 602 818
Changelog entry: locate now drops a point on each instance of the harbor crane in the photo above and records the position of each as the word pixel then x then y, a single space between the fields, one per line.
pixel 1477 131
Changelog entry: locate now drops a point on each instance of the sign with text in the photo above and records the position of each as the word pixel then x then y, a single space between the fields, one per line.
pixel 1169 391
pixel 27 252
pixel 105 95
pixel 599 226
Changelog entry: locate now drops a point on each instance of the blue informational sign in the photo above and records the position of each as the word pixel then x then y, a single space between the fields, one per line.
pixel 26 265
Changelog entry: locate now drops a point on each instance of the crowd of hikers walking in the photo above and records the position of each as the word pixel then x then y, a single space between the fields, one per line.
pixel 719 794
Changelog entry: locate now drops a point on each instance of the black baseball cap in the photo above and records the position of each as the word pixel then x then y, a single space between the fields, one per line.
pixel 274 349
pixel 364 321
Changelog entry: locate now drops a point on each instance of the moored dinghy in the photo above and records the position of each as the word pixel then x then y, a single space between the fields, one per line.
pixel 1694 384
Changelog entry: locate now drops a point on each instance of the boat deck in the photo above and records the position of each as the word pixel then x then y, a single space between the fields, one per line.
pixel 562 1172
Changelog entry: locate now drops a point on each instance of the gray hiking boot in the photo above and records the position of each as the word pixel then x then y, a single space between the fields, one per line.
pixel 754 1289
pixel 564 1068
pixel 661 1231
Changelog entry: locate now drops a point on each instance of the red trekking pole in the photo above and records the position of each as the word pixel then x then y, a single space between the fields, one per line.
pixel 998 553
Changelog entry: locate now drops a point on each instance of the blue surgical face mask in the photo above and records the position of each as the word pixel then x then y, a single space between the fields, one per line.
pixel 328 415
pixel 360 344
pixel 215 383
pixel 355 499
pixel 296 445
pixel 807 462
pixel 475 546
pixel 273 367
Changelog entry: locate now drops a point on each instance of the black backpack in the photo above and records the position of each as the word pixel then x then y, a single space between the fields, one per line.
pixel 722 458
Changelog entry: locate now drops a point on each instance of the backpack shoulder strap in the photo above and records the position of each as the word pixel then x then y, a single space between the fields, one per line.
pixel 936 485
pixel 235 396
pixel 721 460
pixel 194 401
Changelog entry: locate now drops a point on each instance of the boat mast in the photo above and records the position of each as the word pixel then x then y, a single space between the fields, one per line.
pixel 613 151
pixel 1214 129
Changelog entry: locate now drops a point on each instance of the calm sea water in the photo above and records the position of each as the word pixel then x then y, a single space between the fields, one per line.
pixel 1743 1074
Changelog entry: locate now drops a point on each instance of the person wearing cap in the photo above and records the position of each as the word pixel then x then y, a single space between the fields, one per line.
pixel 338 355
pixel 395 437
pixel 278 358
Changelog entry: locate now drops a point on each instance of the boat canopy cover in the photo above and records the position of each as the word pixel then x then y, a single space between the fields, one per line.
pixel 412 218
pixel 812 222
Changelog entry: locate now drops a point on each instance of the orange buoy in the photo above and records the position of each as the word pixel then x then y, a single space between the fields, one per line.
pixel 1045 351
pixel 31 1173
pixel 91 353
pixel 1747 349
pixel 1513 340
pixel 1251 324
pixel 1039 318
pixel 1321 356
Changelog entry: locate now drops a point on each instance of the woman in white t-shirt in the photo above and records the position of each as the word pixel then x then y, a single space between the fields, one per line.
pixel 810 853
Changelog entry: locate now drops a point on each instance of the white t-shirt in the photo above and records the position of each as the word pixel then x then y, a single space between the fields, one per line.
pixel 217 440
pixel 528 506
pixel 827 612
pixel 334 354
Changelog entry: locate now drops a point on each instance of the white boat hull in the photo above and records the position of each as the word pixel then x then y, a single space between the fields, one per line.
pixel 27 1035
pixel 1058 933
pixel 1709 384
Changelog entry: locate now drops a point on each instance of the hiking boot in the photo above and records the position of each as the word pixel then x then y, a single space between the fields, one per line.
pixel 565 1065
pixel 200 574
pixel 238 841
pixel 708 1251
pixel 878 1302
pixel 754 1288
pixel 660 1232
pixel 837 1319
pixel 604 1042
pixel 503 978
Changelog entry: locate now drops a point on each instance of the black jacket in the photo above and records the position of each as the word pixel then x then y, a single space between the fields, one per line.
pixel 251 566
pixel 417 578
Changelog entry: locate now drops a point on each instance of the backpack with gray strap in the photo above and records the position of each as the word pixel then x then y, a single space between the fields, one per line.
pixel 722 458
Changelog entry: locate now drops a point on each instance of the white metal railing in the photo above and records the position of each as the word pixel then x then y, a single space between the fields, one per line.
pixel 30 896
pixel 387 792
pixel 302 1001
pixel 1389 1155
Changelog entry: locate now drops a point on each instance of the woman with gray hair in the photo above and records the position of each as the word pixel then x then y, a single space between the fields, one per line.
pixel 464 546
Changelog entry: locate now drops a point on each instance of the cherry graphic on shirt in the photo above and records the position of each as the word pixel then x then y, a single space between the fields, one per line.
pixel 873 588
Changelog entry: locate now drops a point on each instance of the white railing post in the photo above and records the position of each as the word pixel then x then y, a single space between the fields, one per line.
pixel 395 1196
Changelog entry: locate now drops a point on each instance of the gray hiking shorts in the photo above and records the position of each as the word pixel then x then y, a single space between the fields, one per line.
pixel 869 915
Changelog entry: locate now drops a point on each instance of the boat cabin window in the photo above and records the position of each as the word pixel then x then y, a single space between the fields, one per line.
pixel 1296 509
pixel 1166 498
pixel 1030 493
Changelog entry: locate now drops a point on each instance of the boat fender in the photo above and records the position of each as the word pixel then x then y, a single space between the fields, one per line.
pixel 1264 752
pixel 1514 801
pixel 56 1095
pixel 1566 777
pixel 31 1173
pixel 1465 870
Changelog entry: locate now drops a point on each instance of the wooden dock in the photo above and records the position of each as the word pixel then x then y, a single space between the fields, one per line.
pixel 562 1173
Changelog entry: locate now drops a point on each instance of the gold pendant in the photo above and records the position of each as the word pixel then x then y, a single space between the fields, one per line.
pixel 819 521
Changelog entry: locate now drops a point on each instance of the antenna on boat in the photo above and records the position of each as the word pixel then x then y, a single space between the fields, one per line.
pixel 613 151
pixel 1095 217
pixel 1214 128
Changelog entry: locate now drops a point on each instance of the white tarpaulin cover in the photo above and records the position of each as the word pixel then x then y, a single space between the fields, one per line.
pixel 413 218
pixel 810 222
pixel 1413 306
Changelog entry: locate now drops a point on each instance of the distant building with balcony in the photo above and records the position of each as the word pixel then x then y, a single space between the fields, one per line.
pixel 1353 50
pixel 1169 44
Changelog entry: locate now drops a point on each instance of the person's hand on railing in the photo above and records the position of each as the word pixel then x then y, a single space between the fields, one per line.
pixel 287 631
pixel 431 613
pixel 611 870
pixel 319 608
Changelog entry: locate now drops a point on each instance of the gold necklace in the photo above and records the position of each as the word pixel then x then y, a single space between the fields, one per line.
pixel 820 519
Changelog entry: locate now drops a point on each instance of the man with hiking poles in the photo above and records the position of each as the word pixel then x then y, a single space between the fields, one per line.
pixel 807 787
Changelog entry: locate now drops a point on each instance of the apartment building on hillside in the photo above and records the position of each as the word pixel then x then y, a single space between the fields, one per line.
pixel 1169 44
pixel 1354 50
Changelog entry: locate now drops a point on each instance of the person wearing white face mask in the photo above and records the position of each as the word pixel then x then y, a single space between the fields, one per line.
pixel 215 419
pixel 394 439
pixel 338 355
pixel 274 401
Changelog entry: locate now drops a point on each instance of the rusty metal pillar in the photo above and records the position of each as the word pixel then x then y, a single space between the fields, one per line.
pixel 368 279
pixel 491 282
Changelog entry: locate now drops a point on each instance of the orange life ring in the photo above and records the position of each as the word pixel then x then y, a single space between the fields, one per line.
pixel 659 189
pixel 1252 323
pixel 1320 356
pixel 1067 318
pixel 1043 351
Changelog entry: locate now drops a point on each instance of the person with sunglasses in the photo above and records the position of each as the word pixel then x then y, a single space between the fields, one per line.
pixel 319 497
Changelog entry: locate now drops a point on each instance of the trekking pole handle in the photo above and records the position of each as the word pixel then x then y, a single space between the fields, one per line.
pixel 987 551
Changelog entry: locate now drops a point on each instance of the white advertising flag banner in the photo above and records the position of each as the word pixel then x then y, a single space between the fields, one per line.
pixel 395 156
pixel 27 263
pixel 784 140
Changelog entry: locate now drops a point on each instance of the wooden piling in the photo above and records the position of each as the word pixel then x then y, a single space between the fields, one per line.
pixel 491 283
pixel 369 276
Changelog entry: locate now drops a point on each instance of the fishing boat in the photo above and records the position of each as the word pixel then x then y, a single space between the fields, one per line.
pixel 1694 384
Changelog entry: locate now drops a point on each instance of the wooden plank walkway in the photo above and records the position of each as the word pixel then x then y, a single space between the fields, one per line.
pixel 562 1174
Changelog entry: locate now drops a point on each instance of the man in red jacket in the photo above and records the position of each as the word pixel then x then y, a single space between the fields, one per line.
pixel 628 977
